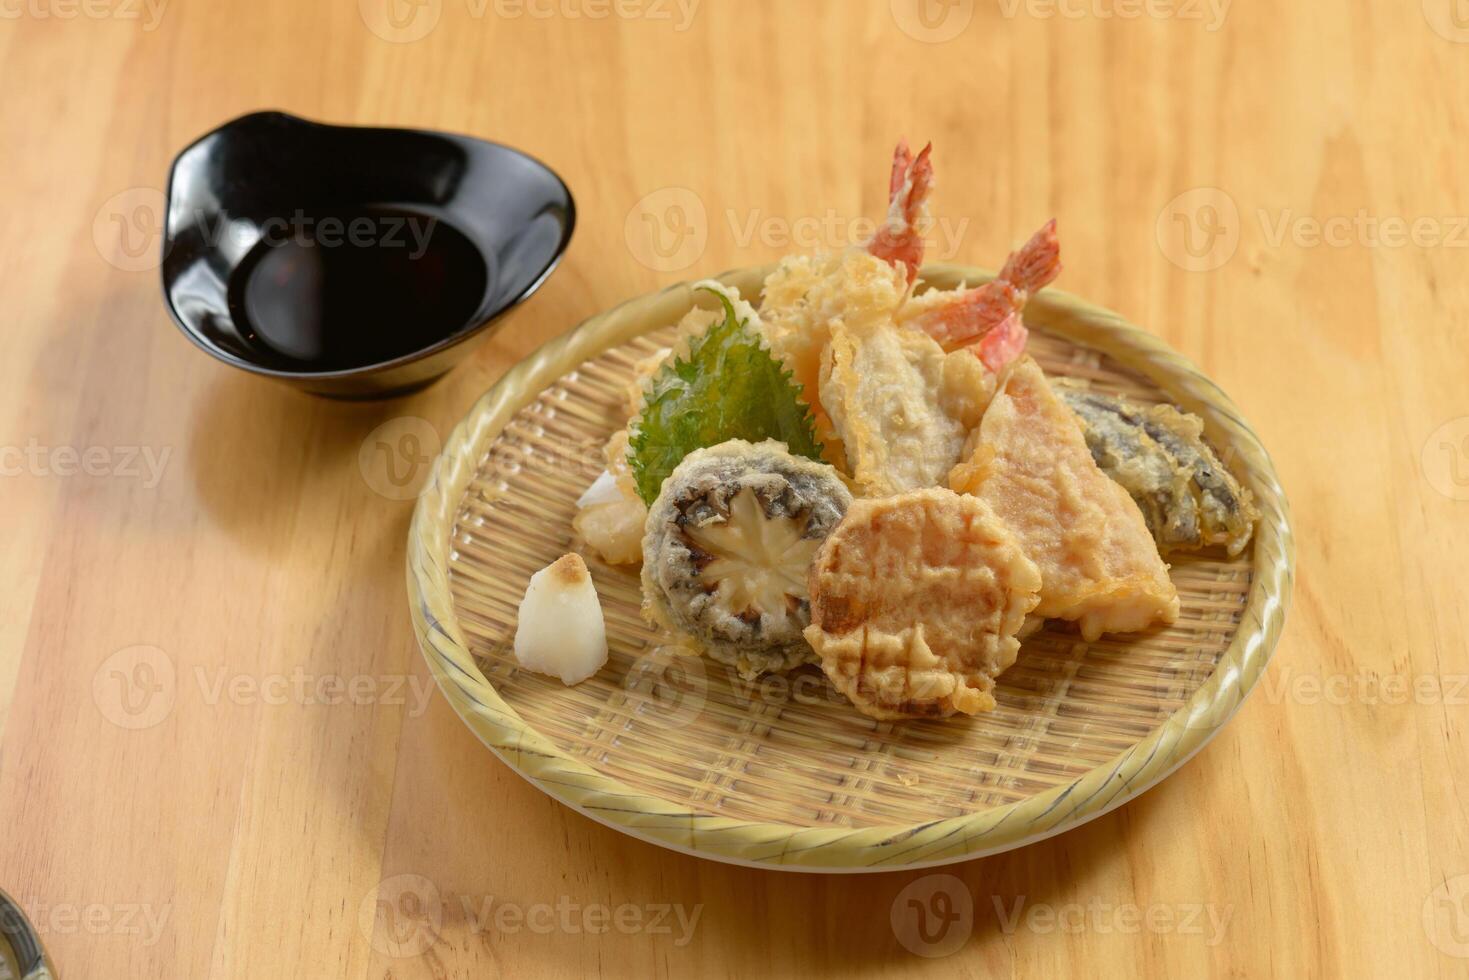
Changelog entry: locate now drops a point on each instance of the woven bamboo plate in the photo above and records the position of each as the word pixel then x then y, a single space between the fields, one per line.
pixel 782 773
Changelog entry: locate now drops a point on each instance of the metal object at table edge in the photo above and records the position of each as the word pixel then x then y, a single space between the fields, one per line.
pixel 17 930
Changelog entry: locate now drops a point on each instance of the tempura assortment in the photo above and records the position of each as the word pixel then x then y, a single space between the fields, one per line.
pixel 873 477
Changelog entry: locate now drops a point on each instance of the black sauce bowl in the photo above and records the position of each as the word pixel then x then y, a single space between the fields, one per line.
pixel 239 198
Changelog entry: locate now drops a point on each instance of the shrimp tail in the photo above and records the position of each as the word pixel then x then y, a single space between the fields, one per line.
pixel 969 314
pixel 899 241
pixel 1003 343
pixel 1036 263
pixel 902 160
pixel 986 318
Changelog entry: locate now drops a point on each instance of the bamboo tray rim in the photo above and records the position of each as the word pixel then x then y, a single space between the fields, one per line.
pixel 835 849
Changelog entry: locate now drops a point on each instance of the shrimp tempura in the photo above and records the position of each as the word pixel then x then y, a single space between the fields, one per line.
pixel 900 240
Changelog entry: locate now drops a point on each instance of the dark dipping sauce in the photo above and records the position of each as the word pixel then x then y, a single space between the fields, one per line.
pixel 350 288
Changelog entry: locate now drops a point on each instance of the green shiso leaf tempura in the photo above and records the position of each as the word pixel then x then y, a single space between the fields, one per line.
pixel 729 386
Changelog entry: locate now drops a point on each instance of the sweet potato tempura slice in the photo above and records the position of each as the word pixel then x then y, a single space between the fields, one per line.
pixel 916 601
pixel 1029 461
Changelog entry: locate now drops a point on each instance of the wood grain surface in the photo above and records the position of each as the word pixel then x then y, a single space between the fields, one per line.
pixel 220 755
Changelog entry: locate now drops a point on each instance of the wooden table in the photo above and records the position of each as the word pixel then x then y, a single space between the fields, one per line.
pixel 190 786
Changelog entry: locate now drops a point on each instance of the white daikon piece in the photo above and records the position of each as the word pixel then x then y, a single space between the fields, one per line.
pixel 561 631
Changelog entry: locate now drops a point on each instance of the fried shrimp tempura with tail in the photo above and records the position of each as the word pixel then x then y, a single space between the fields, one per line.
pixel 900 240
pixel 1037 263
pixel 916 601
pixel 805 297
pixel 986 319
pixel 884 390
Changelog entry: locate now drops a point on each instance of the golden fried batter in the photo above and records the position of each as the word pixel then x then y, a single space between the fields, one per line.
pixel 1160 456
pixel 882 389
pixel 805 296
pixel 1099 565
pixel 915 604
pixel 891 408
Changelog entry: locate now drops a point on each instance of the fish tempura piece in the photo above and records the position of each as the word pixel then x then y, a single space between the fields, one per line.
pixel 899 405
pixel 915 604
pixel 804 296
pixel 1029 461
